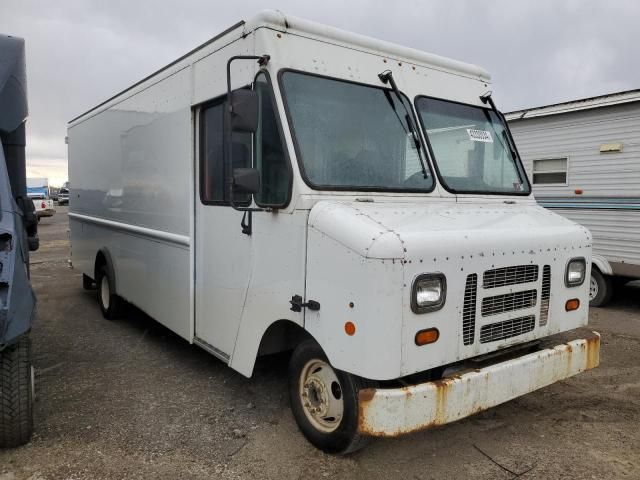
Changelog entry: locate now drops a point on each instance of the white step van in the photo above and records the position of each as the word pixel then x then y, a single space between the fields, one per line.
pixel 291 186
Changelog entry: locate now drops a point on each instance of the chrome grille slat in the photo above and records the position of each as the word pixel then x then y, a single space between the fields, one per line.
pixel 509 302
pixel 507 329
pixel 545 295
pixel 500 277
pixel 469 309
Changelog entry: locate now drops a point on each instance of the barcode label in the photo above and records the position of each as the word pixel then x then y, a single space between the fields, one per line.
pixel 479 135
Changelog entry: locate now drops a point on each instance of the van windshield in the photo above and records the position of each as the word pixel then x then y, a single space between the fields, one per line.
pixel 350 136
pixel 471 149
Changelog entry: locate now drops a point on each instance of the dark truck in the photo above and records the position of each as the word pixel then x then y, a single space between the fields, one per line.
pixel 18 236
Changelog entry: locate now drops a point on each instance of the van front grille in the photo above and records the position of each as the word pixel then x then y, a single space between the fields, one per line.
pixel 507 329
pixel 545 295
pixel 499 277
pixel 469 309
pixel 508 302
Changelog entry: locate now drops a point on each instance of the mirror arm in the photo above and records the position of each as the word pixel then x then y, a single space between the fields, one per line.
pixel 247 224
pixel 262 61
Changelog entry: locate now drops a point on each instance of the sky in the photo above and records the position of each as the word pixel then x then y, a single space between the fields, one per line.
pixel 80 52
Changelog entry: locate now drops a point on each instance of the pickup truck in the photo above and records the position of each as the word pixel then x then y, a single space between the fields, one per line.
pixel 44 207
pixel 63 196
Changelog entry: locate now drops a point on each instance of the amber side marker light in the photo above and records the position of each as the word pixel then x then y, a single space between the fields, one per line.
pixel 350 328
pixel 572 304
pixel 424 337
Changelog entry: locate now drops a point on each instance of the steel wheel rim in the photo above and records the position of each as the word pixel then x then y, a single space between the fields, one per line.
pixel 593 288
pixel 321 395
pixel 104 293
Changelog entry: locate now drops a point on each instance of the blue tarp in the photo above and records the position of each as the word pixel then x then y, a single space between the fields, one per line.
pixel 38 191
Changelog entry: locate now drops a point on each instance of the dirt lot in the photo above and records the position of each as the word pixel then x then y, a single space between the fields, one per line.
pixel 129 399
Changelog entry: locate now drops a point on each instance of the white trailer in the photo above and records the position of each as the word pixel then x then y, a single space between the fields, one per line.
pixel 583 158
pixel 355 201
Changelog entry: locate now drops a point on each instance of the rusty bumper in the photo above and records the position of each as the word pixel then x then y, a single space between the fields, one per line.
pixel 392 412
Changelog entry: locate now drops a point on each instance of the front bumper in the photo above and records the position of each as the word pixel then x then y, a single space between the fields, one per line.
pixel 395 411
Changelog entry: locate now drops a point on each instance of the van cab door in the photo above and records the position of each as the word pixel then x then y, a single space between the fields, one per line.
pixel 222 251
pixel 243 282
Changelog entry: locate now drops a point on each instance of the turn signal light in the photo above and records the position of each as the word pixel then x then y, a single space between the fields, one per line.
pixel 424 337
pixel 572 304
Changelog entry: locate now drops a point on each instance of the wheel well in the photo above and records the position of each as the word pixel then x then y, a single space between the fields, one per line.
pixel 601 264
pixel 281 336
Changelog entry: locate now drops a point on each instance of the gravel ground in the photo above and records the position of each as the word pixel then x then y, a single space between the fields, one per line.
pixel 129 399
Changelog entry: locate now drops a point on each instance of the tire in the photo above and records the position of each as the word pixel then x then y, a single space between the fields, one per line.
pixel 110 303
pixel 600 289
pixel 16 394
pixel 87 282
pixel 324 431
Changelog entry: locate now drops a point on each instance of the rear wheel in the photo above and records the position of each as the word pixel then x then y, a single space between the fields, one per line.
pixel 110 303
pixel 324 401
pixel 16 394
pixel 600 289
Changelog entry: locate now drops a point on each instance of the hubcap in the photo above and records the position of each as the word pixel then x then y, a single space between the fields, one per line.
pixel 321 395
pixel 104 292
pixel 593 288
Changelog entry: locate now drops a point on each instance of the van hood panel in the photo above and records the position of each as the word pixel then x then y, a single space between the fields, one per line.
pixel 407 231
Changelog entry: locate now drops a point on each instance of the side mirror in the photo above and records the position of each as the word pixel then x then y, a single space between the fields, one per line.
pixel 246 180
pixel 244 111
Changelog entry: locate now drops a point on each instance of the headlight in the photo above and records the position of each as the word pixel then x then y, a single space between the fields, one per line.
pixel 428 292
pixel 576 269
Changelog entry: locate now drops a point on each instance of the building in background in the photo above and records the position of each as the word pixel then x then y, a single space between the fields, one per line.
pixel 583 159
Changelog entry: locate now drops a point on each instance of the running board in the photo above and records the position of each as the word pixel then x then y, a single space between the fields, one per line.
pixel 211 349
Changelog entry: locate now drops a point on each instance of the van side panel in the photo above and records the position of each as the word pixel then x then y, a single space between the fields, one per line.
pixel 130 166
pixel 151 274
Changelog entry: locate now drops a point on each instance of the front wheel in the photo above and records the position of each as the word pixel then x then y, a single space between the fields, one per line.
pixel 16 394
pixel 324 401
pixel 600 289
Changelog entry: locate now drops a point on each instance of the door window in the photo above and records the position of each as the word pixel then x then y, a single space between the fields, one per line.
pixel 270 154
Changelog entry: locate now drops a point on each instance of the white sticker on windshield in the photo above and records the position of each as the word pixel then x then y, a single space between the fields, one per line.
pixel 479 135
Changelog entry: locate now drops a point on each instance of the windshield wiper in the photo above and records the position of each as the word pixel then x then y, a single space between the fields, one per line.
pixel 486 98
pixel 387 77
pixel 387 95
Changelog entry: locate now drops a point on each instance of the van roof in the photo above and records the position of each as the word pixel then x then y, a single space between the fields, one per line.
pixel 277 20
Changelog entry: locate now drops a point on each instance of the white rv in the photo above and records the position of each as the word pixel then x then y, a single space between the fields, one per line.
pixel 583 158
pixel 291 186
